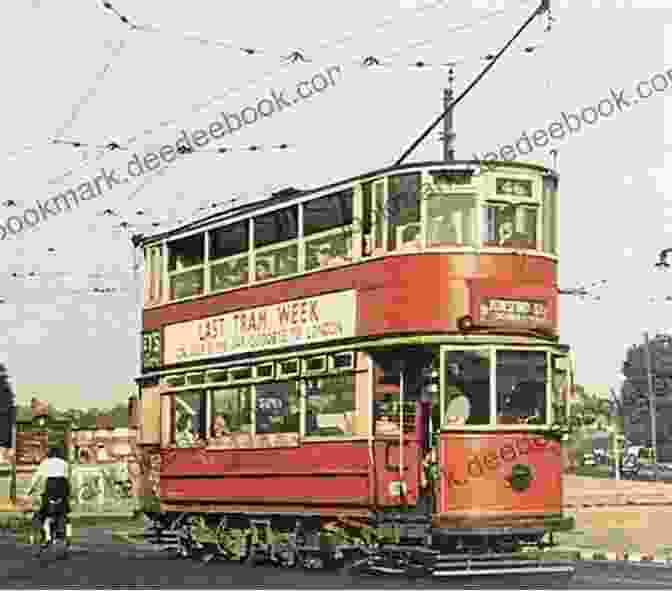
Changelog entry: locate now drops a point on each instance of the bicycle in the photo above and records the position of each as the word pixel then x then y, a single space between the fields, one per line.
pixel 55 528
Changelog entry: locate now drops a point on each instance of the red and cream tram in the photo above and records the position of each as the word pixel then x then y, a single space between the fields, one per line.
pixel 377 359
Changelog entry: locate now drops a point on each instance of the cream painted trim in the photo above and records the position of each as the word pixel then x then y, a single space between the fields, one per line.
pixel 448 339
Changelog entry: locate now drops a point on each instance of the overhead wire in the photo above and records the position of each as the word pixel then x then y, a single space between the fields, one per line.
pixel 363 62
pixel 542 8
pixel 77 107
pixel 293 57
pixel 367 62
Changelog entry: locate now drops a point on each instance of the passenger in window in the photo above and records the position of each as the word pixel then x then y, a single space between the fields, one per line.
pixel 344 423
pixel 230 274
pixel 367 246
pixel 286 263
pixel 263 270
pixel 507 235
pixel 220 427
pixel 186 435
pixel 324 254
pixel 458 411
pixel 410 236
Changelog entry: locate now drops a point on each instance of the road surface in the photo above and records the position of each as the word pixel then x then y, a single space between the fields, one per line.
pixel 120 566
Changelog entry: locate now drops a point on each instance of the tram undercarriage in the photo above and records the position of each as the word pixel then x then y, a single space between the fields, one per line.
pixel 402 544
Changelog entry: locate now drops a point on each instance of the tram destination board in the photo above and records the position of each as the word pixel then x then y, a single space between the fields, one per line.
pixel 500 311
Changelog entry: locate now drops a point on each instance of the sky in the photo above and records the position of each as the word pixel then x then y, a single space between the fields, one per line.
pixel 74 71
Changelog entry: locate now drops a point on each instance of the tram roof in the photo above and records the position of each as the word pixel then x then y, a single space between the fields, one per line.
pixel 291 193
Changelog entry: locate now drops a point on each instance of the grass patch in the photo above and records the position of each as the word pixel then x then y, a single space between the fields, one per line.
pixel 21 525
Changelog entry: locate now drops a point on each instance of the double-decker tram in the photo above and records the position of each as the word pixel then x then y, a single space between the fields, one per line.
pixel 369 369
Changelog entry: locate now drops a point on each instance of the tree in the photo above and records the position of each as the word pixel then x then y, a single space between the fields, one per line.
pixel 589 410
pixel 7 409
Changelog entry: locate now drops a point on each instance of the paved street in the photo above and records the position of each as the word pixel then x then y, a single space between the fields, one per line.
pixel 96 562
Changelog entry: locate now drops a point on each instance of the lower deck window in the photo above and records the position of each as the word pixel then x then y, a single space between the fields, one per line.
pixel 467 387
pixel 277 408
pixel 521 387
pixel 231 411
pixel 330 406
pixel 188 418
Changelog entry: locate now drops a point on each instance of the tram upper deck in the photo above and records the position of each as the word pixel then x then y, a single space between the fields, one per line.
pixel 470 222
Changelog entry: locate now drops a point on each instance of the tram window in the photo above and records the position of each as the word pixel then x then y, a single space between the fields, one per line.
pixel 451 220
pixel 186 252
pixel 364 225
pixel 467 388
pixel 229 240
pixel 328 212
pixel 265 371
pixel 231 411
pixel 325 251
pixel 220 375
pixel 403 211
pixel 343 360
pixel 189 418
pixel 277 407
pixel 229 273
pixel 521 387
pixel 176 381
pixel 185 285
pixel 378 218
pixel 289 368
pixel 549 213
pixel 330 406
pixel 276 262
pixel 508 225
pixel 242 373
pixel 278 226
pixel 153 275
pixel 315 364
pixel 560 387
pixel 232 244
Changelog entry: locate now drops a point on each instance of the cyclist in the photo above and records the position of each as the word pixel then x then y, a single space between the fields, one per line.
pixel 57 486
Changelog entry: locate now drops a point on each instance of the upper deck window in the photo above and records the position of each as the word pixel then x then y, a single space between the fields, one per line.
pixel 327 222
pixel 451 220
pixel 403 211
pixel 278 226
pixel 229 240
pixel 153 275
pixel 549 197
pixel 325 213
pixel 186 253
pixel 275 228
pixel 509 225
pixel 229 247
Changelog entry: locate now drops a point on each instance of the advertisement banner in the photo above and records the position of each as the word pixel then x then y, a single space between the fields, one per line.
pixel 296 322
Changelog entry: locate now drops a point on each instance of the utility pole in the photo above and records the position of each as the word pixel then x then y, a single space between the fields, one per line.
pixel 448 131
pixel 652 403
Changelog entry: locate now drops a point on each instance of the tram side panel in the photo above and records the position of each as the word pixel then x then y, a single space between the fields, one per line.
pixel 499 479
pixel 326 477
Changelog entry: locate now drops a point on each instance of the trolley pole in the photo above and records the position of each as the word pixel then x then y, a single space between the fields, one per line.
pixel 652 403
